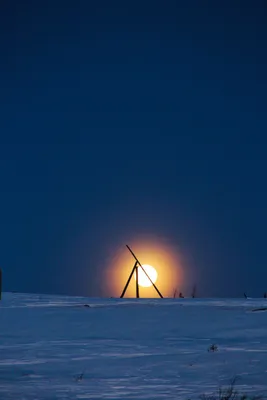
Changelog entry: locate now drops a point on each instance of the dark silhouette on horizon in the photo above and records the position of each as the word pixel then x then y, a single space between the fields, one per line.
pixel 135 270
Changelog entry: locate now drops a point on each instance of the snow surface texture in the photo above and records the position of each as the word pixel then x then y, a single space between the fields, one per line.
pixel 54 347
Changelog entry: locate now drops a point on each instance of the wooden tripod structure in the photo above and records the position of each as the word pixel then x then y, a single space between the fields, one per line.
pixel 135 270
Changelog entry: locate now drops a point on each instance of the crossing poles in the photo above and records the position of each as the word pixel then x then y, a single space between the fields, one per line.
pixel 135 270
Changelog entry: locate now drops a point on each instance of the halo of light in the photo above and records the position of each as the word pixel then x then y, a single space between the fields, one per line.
pixel 149 250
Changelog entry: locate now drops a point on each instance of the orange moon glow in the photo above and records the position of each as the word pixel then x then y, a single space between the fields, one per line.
pixel 142 277
pixel 150 251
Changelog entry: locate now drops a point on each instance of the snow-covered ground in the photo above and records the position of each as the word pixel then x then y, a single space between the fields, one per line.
pixel 54 347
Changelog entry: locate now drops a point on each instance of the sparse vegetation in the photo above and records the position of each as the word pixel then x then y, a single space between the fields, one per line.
pixel 213 348
pixel 230 393
pixel 79 378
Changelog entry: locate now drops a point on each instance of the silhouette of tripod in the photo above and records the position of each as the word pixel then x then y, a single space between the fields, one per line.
pixel 135 270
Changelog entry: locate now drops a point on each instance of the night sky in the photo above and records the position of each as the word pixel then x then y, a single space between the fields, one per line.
pixel 128 119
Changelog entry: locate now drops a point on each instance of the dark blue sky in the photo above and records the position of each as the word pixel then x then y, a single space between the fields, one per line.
pixel 120 119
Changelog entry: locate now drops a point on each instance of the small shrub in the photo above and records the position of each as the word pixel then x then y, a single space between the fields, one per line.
pixel 79 378
pixel 213 348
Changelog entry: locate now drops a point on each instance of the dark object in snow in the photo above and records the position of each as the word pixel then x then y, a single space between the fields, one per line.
pixel 194 291
pixel 260 309
pixel 213 348
pixel 265 295
pixel 78 378
pixel 181 295
pixel 83 305
pixel 245 295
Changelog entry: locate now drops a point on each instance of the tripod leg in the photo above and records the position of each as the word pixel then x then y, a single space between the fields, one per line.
pixel 155 287
pixel 136 283
pixel 127 283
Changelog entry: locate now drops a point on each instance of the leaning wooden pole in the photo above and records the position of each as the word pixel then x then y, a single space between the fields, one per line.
pixel 128 281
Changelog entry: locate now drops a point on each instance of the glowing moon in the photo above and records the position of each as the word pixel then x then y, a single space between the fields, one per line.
pixel 143 279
